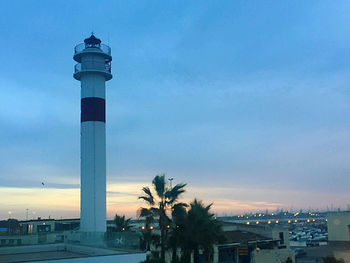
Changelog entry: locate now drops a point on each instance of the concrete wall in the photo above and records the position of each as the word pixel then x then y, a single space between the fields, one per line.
pixel 128 258
pixel 32 249
pixel 274 255
pixel 91 251
pixel 33 239
pixel 94 254
pixel 338 226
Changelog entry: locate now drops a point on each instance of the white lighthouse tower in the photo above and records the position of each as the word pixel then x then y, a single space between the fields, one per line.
pixel 93 70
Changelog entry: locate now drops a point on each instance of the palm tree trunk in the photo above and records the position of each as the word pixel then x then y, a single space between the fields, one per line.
pixel 174 256
pixel 196 255
pixel 206 256
pixel 162 243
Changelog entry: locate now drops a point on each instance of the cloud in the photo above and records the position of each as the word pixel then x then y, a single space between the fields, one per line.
pixel 114 193
pixel 270 110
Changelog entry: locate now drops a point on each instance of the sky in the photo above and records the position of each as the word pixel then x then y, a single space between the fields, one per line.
pixel 247 102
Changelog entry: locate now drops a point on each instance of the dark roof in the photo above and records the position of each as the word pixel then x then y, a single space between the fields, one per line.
pixel 92 40
pixel 238 236
pixel 51 219
pixel 238 225
pixel 67 219
pixel 37 220
pixel 251 226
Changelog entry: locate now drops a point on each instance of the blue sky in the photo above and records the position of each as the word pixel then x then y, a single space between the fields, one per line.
pixel 247 102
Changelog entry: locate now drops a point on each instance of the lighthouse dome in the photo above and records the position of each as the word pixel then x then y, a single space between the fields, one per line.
pixel 92 41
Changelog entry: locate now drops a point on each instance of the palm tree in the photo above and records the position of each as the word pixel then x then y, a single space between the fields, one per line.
pixel 160 202
pixel 202 230
pixel 177 234
pixel 121 224
pixel 148 237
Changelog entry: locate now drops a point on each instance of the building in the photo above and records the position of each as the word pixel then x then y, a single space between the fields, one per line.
pixel 49 225
pixel 338 224
pixel 243 244
pixel 339 227
pixel 40 231
pixel 253 244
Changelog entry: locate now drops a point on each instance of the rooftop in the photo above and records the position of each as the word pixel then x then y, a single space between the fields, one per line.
pixel 238 236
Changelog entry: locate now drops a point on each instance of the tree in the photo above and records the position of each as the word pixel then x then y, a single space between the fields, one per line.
pixel 148 237
pixel 177 234
pixel 160 201
pixel 121 224
pixel 202 231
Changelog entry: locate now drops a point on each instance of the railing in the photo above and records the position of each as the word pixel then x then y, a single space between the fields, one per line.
pixel 124 240
pixel 107 66
pixel 77 68
pixel 106 49
pixel 80 47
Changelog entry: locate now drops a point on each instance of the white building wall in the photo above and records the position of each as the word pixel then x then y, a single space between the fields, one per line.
pixel 272 255
pixel 338 226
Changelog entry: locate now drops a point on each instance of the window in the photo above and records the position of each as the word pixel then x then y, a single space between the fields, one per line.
pixel 281 238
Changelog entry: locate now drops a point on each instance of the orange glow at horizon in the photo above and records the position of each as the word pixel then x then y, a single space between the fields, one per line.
pixel 122 198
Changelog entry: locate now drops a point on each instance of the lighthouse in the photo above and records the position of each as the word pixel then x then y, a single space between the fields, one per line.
pixel 93 70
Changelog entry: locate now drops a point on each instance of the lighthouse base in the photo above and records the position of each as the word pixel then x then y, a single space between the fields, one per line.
pixel 93 238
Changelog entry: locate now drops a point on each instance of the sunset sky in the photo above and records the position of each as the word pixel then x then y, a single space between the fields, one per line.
pixel 248 102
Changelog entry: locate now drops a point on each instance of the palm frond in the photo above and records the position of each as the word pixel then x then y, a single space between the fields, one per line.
pixel 144 212
pixel 148 197
pixel 121 223
pixel 207 208
pixel 174 193
pixel 159 185
pixel 180 205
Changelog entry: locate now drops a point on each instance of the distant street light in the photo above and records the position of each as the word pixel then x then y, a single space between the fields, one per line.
pixel 171 182
pixel 10 214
